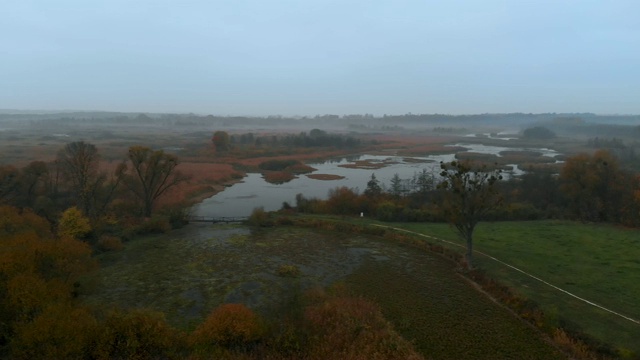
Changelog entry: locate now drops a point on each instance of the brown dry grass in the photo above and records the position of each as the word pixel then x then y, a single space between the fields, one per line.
pixel 205 180
pixel 306 155
pixel 278 177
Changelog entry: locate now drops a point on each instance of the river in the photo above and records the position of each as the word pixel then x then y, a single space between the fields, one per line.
pixel 241 198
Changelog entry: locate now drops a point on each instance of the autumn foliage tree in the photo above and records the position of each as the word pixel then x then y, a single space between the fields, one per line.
pixel 137 334
pixel 37 271
pixel 152 174
pixel 60 331
pixel 469 192
pixel 343 201
pixel 229 325
pixel 221 141
pixel 73 224
pixel 597 189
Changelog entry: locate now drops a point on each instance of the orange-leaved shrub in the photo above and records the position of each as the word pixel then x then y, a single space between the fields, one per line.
pixel 60 331
pixel 344 201
pixel 138 334
pixel 15 221
pixel 344 327
pixel 229 325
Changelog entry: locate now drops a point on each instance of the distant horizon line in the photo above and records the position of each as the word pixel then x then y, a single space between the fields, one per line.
pixel 8 111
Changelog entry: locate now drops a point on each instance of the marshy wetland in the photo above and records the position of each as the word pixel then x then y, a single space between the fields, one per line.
pixel 189 272
pixel 355 170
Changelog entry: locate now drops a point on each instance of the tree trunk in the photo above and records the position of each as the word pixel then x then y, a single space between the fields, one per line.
pixel 469 255
pixel 148 208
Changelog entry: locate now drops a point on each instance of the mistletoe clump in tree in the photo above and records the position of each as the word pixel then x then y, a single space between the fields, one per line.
pixel 469 192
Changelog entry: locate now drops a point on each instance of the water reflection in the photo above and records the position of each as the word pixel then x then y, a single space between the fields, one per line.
pixel 240 199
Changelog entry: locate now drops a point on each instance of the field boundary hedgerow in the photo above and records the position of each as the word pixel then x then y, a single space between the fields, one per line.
pixel 517 269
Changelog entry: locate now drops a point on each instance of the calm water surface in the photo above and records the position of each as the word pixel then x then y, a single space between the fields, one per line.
pixel 240 199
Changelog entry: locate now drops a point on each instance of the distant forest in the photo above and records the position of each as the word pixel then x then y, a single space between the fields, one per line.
pixel 586 124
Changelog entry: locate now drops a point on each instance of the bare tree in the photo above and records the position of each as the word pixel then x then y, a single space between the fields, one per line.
pixel 104 189
pixel 469 193
pixel 33 179
pixel 79 163
pixel 153 173
pixel 9 184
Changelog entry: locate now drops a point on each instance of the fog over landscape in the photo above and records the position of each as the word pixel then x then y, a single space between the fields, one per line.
pixel 304 58
pixel 320 179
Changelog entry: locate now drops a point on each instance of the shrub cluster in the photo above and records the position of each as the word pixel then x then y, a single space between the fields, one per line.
pixel 259 217
pixel 229 326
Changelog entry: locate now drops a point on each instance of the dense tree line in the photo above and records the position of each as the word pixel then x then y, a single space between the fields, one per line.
pixel 625 151
pixel 223 141
pixel 538 132
pixel 105 193
pixel 53 217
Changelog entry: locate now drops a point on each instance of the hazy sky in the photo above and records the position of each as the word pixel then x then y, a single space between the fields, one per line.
pixel 307 57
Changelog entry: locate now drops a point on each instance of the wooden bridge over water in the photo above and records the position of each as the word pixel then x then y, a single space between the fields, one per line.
pixel 218 219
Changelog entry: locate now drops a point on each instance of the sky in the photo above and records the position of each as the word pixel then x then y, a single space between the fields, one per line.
pixel 308 57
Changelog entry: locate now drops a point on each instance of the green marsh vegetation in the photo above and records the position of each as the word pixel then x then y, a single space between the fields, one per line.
pixel 193 270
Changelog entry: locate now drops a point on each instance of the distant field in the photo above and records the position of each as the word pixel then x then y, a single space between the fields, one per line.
pixel 600 263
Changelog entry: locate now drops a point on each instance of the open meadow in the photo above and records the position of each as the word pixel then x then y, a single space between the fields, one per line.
pixel 596 262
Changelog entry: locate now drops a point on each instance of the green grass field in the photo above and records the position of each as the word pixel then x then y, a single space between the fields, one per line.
pixel 444 316
pixel 600 263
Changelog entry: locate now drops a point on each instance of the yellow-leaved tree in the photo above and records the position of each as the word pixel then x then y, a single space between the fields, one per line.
pixel 73 224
